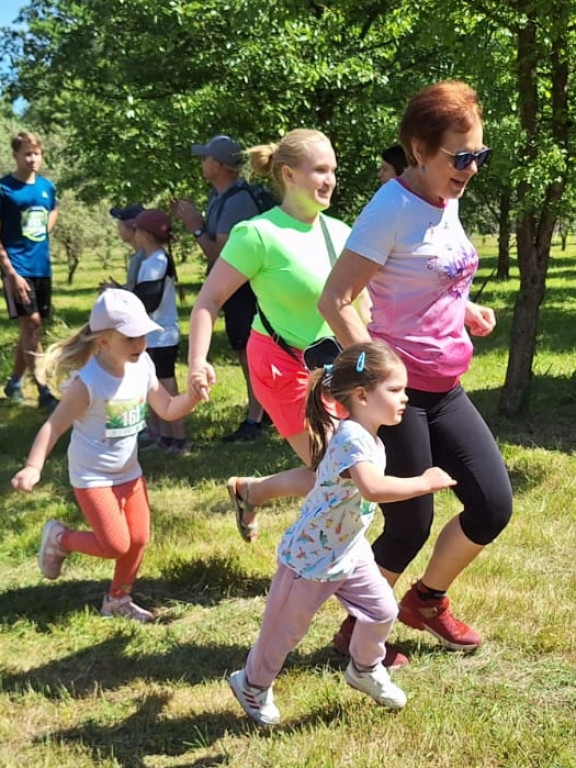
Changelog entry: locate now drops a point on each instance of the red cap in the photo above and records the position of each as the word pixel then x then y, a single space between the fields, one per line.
pixel 154 221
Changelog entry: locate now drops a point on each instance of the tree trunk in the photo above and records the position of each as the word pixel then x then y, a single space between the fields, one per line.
pixel 536 227
pixel 504 232
pixel 533 269
pixel 73 261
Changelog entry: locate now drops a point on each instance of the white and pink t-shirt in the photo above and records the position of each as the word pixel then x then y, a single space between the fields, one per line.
pixel 420 292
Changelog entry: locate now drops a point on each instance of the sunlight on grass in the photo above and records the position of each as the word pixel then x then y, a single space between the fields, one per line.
pixel 78 691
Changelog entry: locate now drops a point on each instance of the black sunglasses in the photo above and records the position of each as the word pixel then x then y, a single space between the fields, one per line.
pixel 463 159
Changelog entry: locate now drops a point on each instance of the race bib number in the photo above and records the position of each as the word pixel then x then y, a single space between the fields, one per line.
pixel 125 417
pixel 34 224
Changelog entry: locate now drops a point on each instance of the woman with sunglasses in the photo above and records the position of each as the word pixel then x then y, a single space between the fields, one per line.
pixel 409 248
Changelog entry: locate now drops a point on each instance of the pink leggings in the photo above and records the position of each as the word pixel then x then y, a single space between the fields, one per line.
pixel 292 603
pixel 119 516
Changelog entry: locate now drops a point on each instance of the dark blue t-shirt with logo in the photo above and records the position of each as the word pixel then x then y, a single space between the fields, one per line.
pixel 24 212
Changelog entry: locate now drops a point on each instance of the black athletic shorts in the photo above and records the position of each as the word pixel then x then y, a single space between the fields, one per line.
pixel 40 298
pixel 164 359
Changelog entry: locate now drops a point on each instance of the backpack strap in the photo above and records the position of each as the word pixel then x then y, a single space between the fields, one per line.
pixel 240 185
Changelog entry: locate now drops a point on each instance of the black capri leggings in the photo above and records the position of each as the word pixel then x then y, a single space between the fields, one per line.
pixel 446 430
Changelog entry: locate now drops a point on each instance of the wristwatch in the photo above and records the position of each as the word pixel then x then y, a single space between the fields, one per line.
pixel 198 233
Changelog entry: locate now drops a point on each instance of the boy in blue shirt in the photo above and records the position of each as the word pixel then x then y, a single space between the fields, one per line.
pixel 28 213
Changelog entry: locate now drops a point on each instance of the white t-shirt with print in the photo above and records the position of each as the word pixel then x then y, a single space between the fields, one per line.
pixel 327 539
pixel 103 449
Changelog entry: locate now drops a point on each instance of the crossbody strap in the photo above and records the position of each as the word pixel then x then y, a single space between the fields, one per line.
pixel 329 244
pixel 276 338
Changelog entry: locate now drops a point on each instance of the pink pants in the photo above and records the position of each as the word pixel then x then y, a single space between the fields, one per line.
pixel 119 516
pixel 292 603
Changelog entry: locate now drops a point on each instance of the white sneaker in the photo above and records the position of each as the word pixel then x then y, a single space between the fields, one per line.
pixel 377 684
pixel 257 703
pixel 51 555
pixel 123 606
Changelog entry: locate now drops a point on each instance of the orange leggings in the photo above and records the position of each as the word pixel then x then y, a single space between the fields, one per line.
pixel 119 516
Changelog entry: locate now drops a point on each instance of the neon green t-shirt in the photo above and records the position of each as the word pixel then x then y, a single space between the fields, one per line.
pixel 287 263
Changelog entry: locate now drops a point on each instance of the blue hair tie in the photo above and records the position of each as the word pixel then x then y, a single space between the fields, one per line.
pixel 327 378
pixel 361 362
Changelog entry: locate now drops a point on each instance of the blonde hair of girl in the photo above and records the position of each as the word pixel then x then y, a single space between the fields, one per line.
pixel 71 353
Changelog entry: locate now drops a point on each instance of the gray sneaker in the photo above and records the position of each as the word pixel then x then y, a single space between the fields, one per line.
pixel 14 392
pixel 51 555
pixel 377 684
pixel 47 401
pixel 257 703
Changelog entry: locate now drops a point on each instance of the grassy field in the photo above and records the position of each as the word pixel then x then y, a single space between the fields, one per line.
pixel 77 690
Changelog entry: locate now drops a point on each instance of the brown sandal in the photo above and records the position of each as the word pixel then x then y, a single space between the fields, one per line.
pixel 248 531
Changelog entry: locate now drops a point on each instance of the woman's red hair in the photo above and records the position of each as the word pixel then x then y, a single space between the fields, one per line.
pixel 447 106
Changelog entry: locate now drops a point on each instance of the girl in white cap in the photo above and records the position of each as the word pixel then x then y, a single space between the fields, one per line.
pixel 105 403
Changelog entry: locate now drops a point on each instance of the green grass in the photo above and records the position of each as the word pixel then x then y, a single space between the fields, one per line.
pixel 77 690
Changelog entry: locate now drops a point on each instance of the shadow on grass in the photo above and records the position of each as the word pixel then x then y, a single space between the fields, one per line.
pixel 150 730
pixel 146 733
pixel 112 664
pixel 424 647
pixel 200 582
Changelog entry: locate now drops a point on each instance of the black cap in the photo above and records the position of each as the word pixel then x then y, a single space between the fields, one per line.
pixel 129 212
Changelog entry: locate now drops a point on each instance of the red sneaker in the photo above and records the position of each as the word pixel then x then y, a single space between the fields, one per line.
pixel 341 642
pixel 435 617
pixel 394 659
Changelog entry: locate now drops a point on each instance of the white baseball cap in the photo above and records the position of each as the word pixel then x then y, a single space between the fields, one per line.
pixel 119 310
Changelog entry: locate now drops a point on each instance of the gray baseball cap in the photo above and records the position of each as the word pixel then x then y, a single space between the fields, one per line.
pixel 222 148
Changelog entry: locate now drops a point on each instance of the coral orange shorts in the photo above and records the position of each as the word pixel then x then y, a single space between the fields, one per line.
pixel 280 383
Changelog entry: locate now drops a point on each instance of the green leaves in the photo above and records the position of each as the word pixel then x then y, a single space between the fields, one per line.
pixel 137 80
pixel 134 82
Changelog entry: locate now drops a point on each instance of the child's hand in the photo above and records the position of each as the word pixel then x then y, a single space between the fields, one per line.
pixel 201 378
pixel 26 479
pixel 438 479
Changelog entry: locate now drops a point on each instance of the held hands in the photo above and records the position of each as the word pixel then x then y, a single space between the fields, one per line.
pixel 438 479
pixel 26 478
pixel 201 378
pixel 480 320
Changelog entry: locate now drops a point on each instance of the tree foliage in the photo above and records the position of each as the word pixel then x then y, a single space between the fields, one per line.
pixel 135 90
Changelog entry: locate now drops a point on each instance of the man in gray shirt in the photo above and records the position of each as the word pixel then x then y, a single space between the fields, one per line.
pixel 221 163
